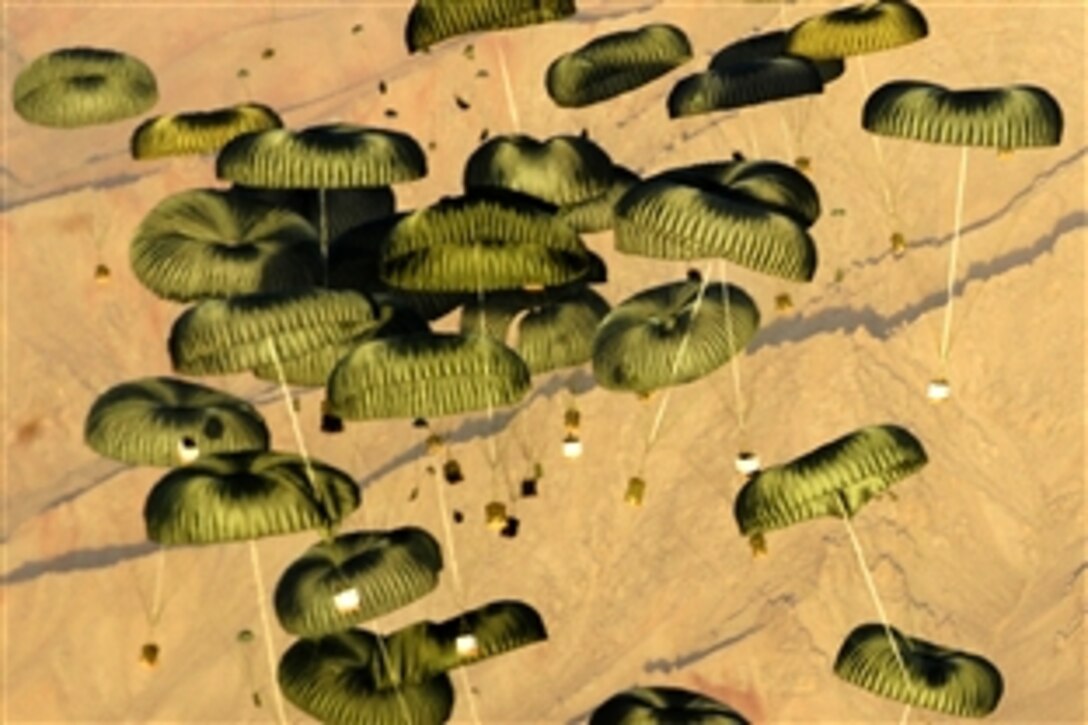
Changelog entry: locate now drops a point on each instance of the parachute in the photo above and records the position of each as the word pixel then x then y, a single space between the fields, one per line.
pixel 237 496
pixel 1011 117
pixel 858 30
pixel 199 132
pixel 638 344
pixel 598 213
pixel 207 243
pixel 664 706
pixel 937 678
pixel 748 83
pixel 836 479
pixel 163 421
pixel 432 21
pixel 770 45
pixel 615 64
pixel 355 577
pixel 82 86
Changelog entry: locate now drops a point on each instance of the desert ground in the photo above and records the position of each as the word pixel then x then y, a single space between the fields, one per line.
pixel 983 550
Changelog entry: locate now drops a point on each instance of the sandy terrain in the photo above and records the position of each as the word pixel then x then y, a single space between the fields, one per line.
pixel 983 550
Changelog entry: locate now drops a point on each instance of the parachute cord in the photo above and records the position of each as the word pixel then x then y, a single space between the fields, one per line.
pixel 872 590
pixel 676 362
pixel 156 598
pixel 874 139
pixel 946 331
pixel 456 572
pixel 297 430
pixel 905 716
pixel 388 661
pixel 266 627
pixel 734 359
pixel 510 104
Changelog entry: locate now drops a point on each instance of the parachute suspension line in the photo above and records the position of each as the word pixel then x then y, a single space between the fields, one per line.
pixel 659 417
pixel 266 628
pixel 946 331
pixel 405 713
pixel 734 359
pixel 905 716
pixel 878 150
pixel 509 90
pixel 872 588
pixel 156 598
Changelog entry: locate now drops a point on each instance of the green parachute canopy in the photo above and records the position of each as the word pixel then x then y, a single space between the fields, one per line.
pixel 773 185
pixel 664 706
pixel 561 170
pixel 485 241
pixel 659 338
pixel 937 678
pixel 237 496
pixel 208 243
pixel 426 376
pixel 742 84
pixel 74 87
pixel 693 219
pixel 1011 117
pixel 241 333
pixel 615 64
pixel 167 422
pixel 333 156
pixel 346 678
pixel 598 213
pixel 770 45
pixel 199 132
pixel 355 577
pixel 432 21
pixel 837 479
pixel 857 30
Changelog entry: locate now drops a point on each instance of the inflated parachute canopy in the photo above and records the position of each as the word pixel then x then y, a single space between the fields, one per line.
pixel 837 479
pixel 771 184
pixel 614 64
pixel 488 240
pixel 857 30
pixel 561 170
pixel 697 219
pixel 937 678
pixel 216 337
pixel 199 132
pixel 313 368
pixel 426 376
pixel 598 214
pixel 664 706
pixel 345 678
pixel 671 335
pixel 209 243
pixel 1010 117
pixel 74 87
pixel 432 21
pixel 355 577
pixel 332 156
pixel 771 45
pixel 239 496
pixel 746 83
pixel 552 330
pixel 167 422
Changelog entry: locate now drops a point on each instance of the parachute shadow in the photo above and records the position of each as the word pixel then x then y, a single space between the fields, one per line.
pixel 882 327
pixel 690 658
pixel 80 560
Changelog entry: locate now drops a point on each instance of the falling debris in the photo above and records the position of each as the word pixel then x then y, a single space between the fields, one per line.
pixel 356 29
pixel 451 471
pixel 838 211
pixel 330 423
pixel 484 134
pixel 245 636
pixel 462 103
pixel 510 530
pixel 783 302
pixel 636 489
pixel 840 275
pixel 102 273
pixel 414 494
pixel 482 73
pixel 431 145
pixel 495 515
pixel 382 88
pixel 803 163
pixel 268 53
pixel 458 517
pixel 149 655
pixel 469 52
pixel 243 73
pixel 528 488
pixel 899 244
pixel 390 113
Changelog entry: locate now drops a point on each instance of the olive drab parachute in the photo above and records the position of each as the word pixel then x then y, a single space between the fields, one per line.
pixel 243 496
pixel 837 479
pixel 937 678
pixel 615 64
pixel 857 30
pixel 167 422
pixel 638 344
pixel 356 577
pixel 426 376
pixel 771 45
pixel 742 84
pixel 689 220
pixel 1010 117
pixel 346 678
pixel 561 170
pixel 199 132
pixel 432 21
pixel 240 333
pixel 598 213
pixel 663 706
pixel 83 86
pixel 208 243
